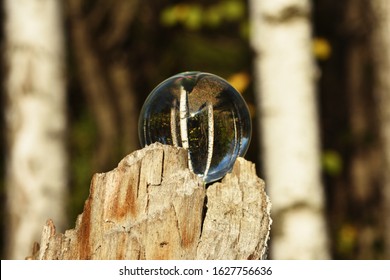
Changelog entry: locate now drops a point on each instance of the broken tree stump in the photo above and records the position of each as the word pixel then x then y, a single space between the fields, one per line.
pixel 153 207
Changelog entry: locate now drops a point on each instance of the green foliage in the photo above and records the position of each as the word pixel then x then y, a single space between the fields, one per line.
pixel 194 16
pixel 83 135
pixel 346 240
pixel 200 51
pixel 332 162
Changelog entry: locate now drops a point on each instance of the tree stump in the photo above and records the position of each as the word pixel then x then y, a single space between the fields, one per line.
pixel 153 207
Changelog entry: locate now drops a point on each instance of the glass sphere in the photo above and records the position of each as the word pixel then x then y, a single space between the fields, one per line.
pixel 202 113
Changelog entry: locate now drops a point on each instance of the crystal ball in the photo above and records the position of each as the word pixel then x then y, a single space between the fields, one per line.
pixel 202 113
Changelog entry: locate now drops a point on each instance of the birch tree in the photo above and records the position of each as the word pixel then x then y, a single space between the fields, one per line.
pixel 35 120
pixel 381 52
pixel 285 89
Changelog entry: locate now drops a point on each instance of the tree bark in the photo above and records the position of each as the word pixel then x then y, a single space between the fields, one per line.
pixel 153 207
pixel 381 52
pixel 36 177
pixel 285 88
pixel 364 156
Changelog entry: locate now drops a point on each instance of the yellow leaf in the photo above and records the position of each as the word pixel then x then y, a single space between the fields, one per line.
pixel 322 48
pixel 239 81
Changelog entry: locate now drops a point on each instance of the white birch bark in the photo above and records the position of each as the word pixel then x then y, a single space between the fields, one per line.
pixel 381 51
pixel 285 76
pixel 35 120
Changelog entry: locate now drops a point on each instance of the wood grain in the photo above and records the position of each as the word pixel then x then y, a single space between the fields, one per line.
pixel 153 207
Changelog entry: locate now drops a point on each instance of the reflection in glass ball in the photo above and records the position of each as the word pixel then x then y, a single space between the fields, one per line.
pixel 202 113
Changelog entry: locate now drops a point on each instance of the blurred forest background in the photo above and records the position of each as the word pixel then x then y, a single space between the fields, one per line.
pixel 117 51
